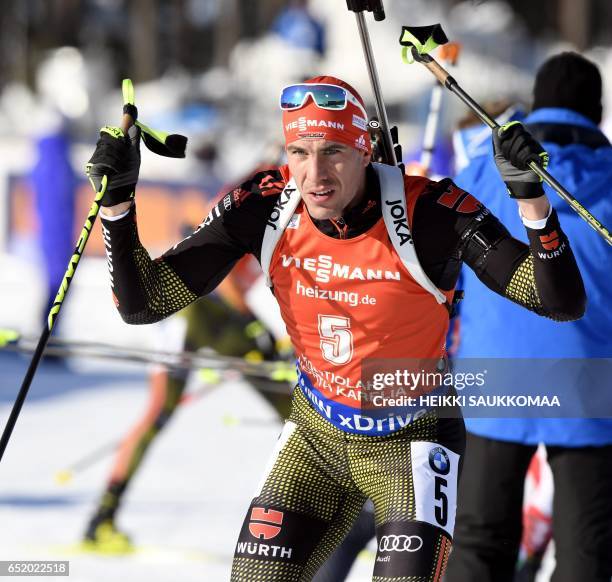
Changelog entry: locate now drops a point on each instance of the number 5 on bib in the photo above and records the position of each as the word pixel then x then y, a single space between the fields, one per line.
pixel 336 339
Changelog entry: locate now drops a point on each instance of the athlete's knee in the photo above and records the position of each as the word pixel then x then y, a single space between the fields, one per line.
pixel 275 543
pixel 411 550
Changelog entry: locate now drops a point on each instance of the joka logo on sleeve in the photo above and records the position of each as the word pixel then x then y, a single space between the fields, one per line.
pixel 265 524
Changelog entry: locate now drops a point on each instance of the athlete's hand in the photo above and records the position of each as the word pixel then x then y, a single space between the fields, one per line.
pixel 117 156
pixel 514 149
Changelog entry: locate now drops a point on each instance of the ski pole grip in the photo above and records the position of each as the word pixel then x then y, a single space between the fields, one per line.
pixel 378 10
pixel 126 122
pixel 438 71
pixel 130 113
pixel 374 6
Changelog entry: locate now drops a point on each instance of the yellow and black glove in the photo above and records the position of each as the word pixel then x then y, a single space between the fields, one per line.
pixel 116 156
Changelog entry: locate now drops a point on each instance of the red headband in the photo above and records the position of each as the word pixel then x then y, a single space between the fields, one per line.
pixel 346 126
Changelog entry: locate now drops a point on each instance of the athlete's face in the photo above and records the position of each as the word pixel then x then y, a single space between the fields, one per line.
pixel 330 175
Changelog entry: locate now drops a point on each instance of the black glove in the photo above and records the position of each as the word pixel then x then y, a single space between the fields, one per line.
pixel 514 149
pixel 118 158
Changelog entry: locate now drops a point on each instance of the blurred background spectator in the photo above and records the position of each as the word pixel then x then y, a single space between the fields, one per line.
pixel 297 26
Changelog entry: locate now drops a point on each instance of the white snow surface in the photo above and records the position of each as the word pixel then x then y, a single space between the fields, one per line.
pixel 185 506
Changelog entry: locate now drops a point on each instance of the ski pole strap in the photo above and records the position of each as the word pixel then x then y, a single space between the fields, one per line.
pixel 127 88
pixel 423 39
pixel 417 42
pixel 130 112
pixel 169 145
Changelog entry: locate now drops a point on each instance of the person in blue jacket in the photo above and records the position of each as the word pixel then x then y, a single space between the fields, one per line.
pixel 296 25
pixel 566 113
pixel 54 186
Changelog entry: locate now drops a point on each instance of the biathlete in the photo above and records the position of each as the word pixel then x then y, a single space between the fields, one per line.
pixel 363 262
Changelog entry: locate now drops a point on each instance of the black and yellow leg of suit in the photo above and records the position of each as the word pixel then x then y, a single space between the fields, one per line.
pixel 315 486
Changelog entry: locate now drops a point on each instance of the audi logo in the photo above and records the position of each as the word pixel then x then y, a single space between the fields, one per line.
pixel 400 543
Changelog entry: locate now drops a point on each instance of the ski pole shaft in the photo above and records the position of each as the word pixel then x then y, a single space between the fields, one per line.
pixel 52 317
pixel 63 476
pixel 56 307
pixel 227 365
pixel 375 6
pixel 381 111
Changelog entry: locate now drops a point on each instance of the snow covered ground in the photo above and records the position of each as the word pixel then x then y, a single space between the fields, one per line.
pixel 185 507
